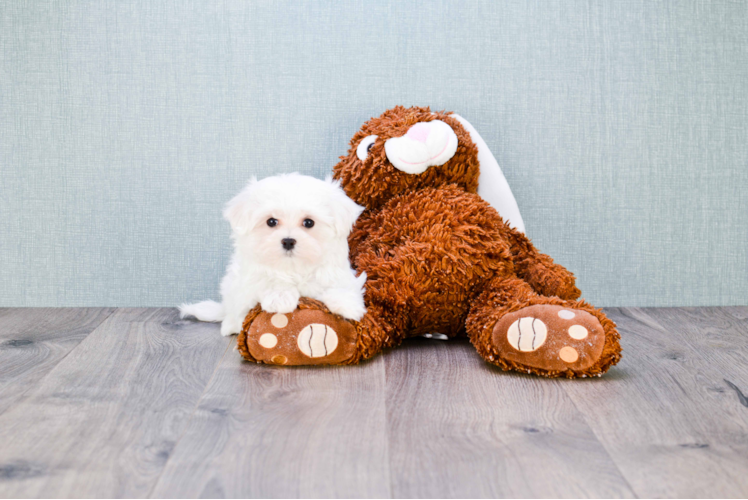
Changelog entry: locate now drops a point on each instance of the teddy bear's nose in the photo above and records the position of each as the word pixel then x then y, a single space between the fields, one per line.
pixel 424 145
pixel 419 132
pixel 288 243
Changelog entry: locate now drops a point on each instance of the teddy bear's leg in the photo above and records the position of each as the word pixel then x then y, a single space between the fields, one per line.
pixel 538 270
pixel 312 335
pixel 517 329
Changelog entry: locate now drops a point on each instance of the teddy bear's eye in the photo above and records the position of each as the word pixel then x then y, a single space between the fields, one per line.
pixel 272 222
pixel 308 223
pixel 362 151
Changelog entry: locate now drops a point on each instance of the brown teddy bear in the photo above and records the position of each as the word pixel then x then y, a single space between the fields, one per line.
pixel 439 259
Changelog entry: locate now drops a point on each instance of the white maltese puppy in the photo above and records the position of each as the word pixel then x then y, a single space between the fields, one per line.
pixel 290 237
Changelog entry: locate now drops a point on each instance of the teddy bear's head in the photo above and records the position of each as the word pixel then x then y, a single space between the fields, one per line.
pixel 406 149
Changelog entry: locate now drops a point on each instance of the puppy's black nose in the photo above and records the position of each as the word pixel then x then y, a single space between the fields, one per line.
pixel 288 243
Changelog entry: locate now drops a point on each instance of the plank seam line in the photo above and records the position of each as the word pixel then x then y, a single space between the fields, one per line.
pixel 189 419
pixel 592 428
pixel 385 398
pixel 27 393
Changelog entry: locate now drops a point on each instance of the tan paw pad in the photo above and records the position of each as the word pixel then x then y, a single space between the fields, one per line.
pixel 568 354
pixel 566 314
pixel 279 320
pixel 577 332
pixel 268 340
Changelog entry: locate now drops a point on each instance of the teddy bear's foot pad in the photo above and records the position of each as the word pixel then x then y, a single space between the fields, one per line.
pixel 550 338
pixel 303 337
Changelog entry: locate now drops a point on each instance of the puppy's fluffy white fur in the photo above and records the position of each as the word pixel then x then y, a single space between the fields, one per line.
pixel 263 272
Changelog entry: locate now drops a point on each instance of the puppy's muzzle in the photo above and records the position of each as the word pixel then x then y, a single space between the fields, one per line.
pixel 288 243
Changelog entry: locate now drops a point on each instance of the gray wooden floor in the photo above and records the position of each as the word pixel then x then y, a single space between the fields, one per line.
pixel 138 403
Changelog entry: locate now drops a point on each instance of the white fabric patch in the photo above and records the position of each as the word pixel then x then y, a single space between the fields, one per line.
pixel 317 340
pixel 492 185
pixel 436 336
pixel 527 334
pixel 426 144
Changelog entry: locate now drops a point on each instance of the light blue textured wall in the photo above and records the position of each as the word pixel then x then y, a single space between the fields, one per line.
pixel 125 126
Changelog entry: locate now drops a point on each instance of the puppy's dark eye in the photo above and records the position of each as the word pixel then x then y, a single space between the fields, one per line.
pixel 308 223
pixel 272 222
pixel 368 148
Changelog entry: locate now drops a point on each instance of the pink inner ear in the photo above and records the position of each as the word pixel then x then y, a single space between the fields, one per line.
pixel 419 132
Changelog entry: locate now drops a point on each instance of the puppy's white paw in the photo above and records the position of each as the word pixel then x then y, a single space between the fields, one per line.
pixel 282 302
pixel 348 304
pixel 230 326
pixel 352 311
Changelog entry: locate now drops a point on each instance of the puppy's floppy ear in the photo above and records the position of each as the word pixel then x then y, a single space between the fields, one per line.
pixel 240 210
pixel 344 210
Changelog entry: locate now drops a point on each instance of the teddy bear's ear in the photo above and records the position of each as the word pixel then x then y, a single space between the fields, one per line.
pixel 492 185
pixel 239 210
pixel 344 210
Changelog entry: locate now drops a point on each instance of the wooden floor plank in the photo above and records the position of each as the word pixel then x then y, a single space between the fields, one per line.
pixel 665 414
pixel 719 334
pixel 34 340
pixel 105 420
pixel 738 312
pixel 458 427
pixel 275 432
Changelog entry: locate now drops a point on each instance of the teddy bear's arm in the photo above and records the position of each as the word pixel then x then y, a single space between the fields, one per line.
pixel 538 269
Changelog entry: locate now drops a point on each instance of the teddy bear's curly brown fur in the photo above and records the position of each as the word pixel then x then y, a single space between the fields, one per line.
pixel 440 259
